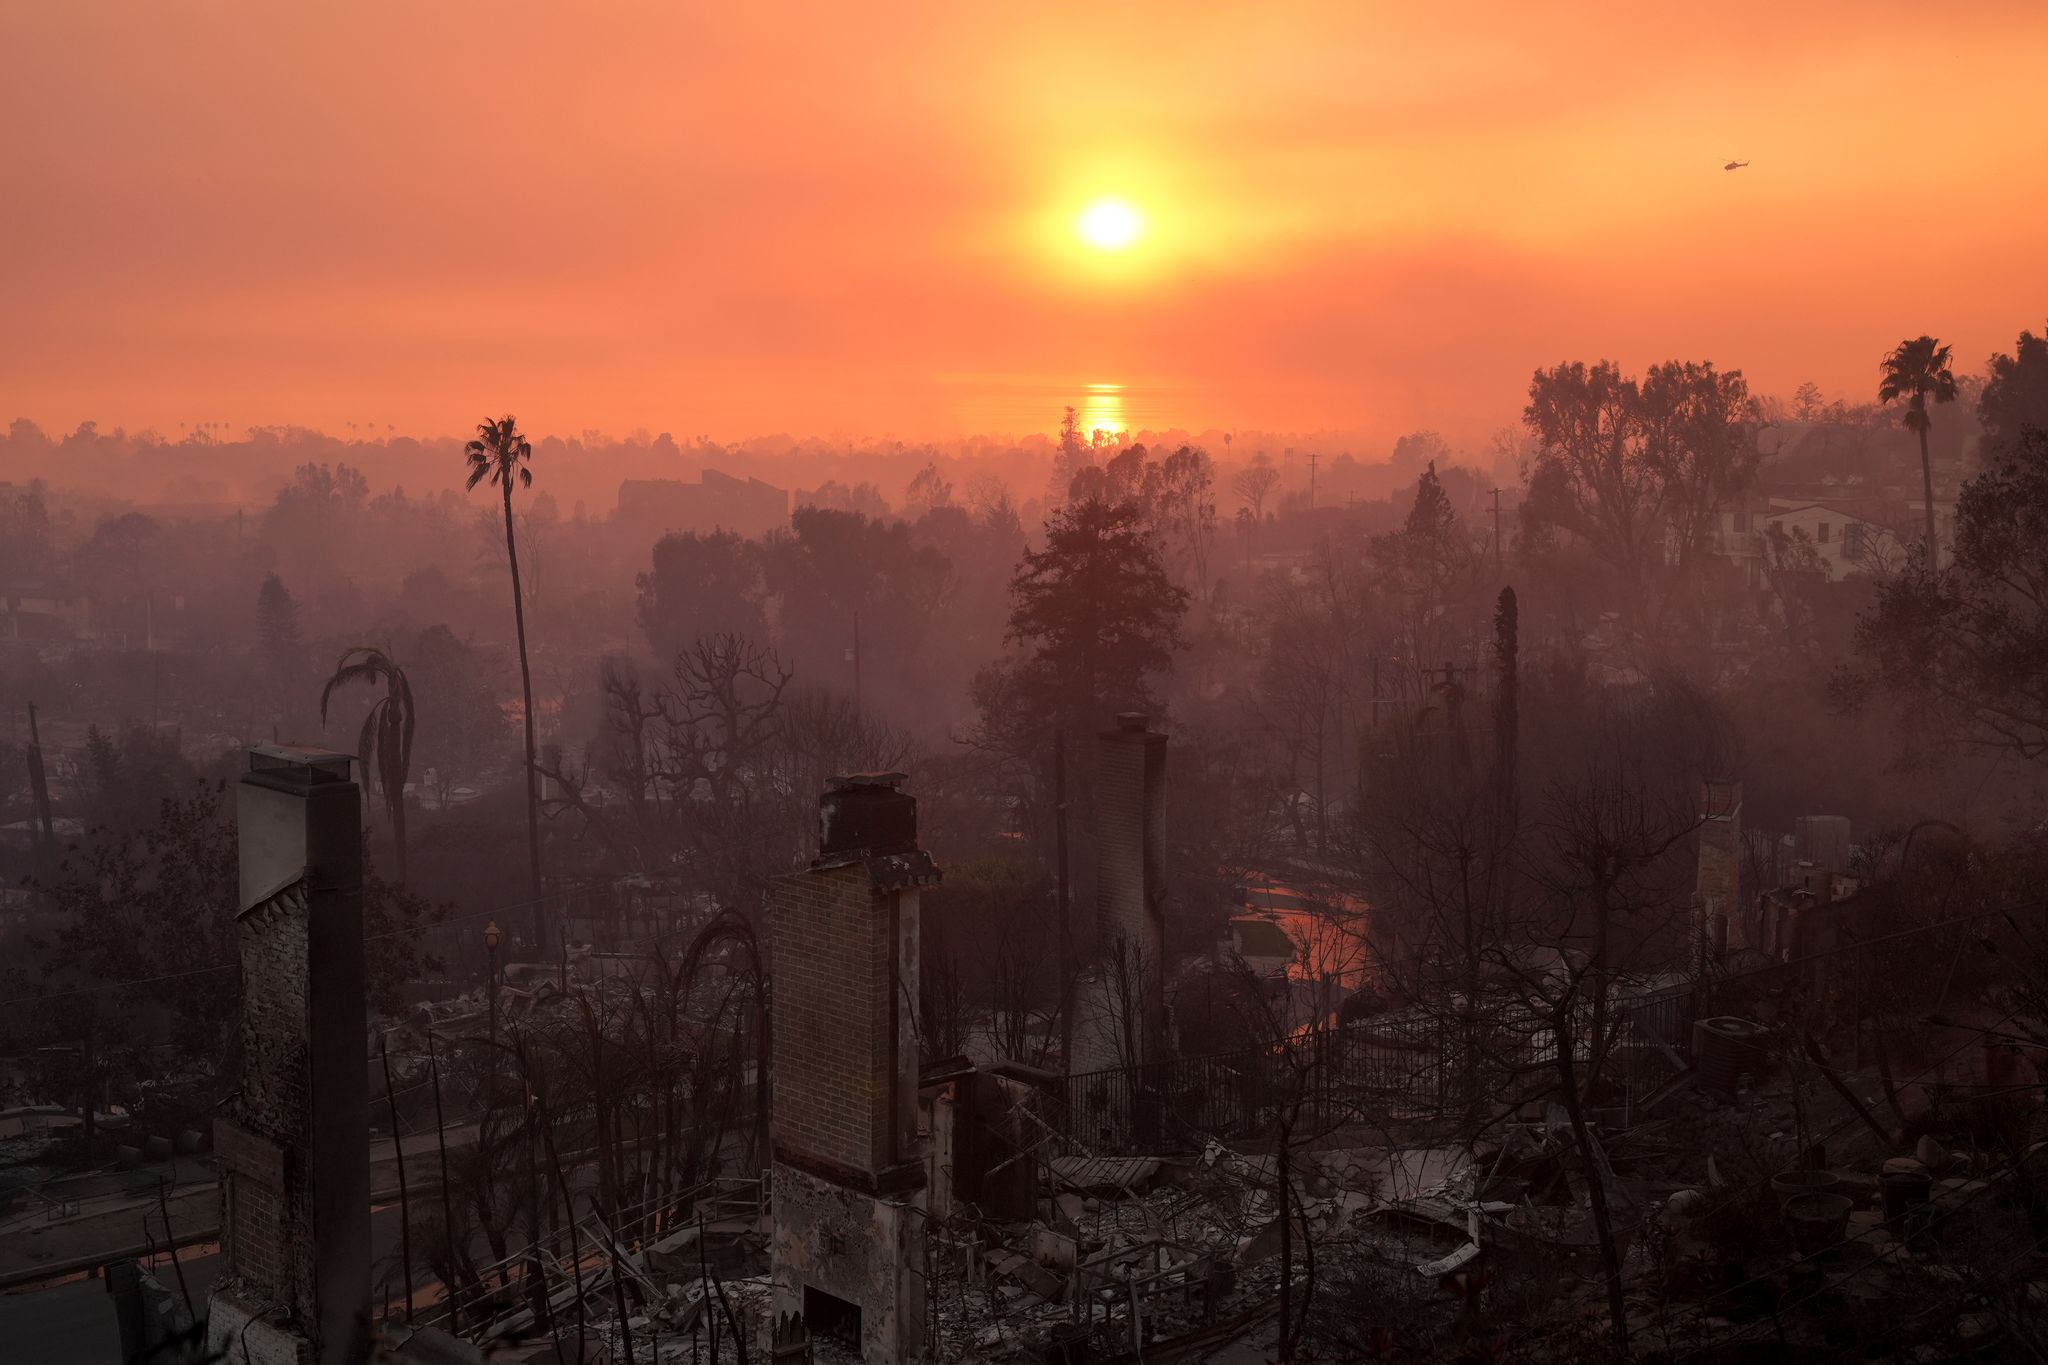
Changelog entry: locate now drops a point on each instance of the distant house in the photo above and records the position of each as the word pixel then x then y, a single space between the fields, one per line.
pixel 44 610
pixel 652 508
pixel 1838 536
pixel 1843 538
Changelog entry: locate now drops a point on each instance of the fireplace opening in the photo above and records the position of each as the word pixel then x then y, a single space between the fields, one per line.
pixel 828 1315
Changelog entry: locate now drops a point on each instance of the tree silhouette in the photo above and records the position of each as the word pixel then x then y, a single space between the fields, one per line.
pixel 1255 484
pixel 928 489
pixel 500 454
pixel 1967 650
pixel 1097 618
pixel 385 744
pixel 1917 371
pixel 2015 397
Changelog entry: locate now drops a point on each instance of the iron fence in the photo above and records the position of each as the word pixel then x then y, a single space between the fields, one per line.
pixel 1414 1063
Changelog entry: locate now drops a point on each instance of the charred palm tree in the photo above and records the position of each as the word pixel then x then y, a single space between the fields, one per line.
pixel 1917 371
pixel 500 454
pixel 385 745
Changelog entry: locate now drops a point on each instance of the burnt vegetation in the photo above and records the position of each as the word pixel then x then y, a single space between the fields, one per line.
pixel 1600 874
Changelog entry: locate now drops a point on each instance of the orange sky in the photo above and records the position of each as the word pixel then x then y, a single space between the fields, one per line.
pixel 733 219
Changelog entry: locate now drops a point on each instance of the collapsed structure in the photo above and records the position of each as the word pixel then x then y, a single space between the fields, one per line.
pixel 986 1210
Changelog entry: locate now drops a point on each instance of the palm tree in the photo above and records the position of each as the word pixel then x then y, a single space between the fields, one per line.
pixel 499 453
pixel 1917 371
pixel 387 729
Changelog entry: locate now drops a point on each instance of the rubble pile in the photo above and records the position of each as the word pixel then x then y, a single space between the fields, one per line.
pixel 1801 1210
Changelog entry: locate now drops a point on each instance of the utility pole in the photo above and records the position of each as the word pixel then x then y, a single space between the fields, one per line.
pixel 1066 923
pixel 1496 530
pixel 1311 480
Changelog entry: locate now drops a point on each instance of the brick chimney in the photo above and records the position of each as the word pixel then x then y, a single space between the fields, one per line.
pixel 849 1169
pixel 293 1142
pixel 1718 892
pixel 1130 865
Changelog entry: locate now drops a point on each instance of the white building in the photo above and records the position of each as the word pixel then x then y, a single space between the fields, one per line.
pixel 1839 537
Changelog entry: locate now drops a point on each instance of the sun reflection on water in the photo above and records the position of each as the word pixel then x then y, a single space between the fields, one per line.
pixel 1102 409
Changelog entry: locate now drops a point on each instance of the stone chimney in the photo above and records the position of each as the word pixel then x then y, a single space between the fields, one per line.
pixel 1718 892
pixel 293 1141
pixel 1130 867
pixel 849 1175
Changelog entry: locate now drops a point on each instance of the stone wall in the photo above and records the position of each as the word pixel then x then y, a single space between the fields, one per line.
pixel 242 1331
pixel 864 1251
pixel 268 1197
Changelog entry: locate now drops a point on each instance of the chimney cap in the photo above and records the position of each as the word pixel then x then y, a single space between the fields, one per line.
pixel 310 763
pixel 1131 720
pixel 846 782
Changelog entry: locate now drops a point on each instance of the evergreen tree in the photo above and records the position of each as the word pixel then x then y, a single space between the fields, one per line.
pixel 1098 617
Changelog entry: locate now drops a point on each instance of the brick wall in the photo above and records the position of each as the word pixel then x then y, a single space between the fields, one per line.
pixel 834 999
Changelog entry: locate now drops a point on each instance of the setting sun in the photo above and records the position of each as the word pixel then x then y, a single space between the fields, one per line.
pixel 1110 225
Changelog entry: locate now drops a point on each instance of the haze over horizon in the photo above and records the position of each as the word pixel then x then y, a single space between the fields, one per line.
pixel 1346 218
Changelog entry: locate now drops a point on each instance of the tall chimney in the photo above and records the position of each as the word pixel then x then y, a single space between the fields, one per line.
pixel 849 1175
pixel 1130 871
pixel 1718 892
pixel 293 1142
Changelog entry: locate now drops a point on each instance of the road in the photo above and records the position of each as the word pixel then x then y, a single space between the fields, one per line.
pixel 73 1322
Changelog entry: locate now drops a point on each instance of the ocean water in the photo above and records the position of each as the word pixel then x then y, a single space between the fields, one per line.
pixel 1018 406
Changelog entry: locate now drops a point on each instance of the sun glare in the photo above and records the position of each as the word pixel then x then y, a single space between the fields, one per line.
pixel 1110 225
pixel 1102 409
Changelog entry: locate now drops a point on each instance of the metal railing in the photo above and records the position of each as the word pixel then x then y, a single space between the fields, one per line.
pixel 1409 1063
